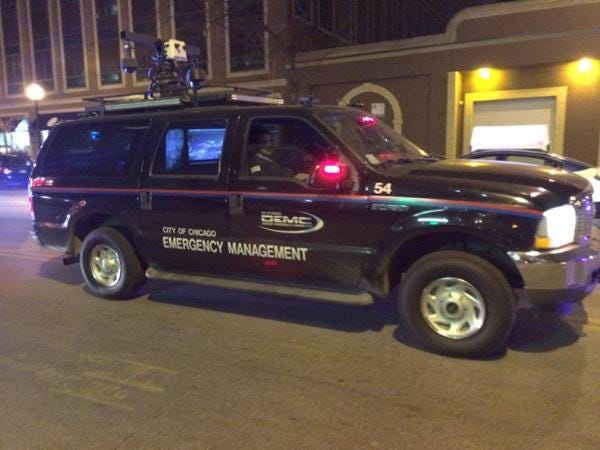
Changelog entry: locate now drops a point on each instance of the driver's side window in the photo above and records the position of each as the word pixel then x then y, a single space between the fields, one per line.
pixel 283 147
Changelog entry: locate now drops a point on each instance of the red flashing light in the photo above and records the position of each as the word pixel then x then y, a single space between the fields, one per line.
pixel 367 121
pixel 331 171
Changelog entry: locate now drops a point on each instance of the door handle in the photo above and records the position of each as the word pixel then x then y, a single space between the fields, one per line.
pixel 236 204
pixel 145 200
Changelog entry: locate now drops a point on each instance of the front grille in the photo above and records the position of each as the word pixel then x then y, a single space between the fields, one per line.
pixel 586 211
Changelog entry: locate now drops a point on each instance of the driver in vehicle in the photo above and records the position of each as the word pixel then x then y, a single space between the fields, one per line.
pixel 263 161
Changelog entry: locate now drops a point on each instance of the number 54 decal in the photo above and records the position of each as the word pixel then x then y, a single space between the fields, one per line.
pixel 382 188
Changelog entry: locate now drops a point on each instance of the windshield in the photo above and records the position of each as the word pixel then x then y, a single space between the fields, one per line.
pixel 368 136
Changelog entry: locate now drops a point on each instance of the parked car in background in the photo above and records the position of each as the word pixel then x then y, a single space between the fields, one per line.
pixel 15 169
pixel 543 158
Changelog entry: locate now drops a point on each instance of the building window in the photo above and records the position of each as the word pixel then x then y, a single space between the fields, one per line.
pixel 246 26
pixel 42 47
pixel 190 26
pixel 107 29
pixel 303 9
pixel 143 13
pixel 72 40
pixel 326 15
pixel 343 21
pixel 12 50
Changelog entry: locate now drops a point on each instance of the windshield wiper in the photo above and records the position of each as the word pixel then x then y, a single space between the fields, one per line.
pixel 391 162
pixel 404 160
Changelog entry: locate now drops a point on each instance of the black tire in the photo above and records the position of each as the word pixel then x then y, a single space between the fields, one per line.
pixel 109 264
pixel 471 308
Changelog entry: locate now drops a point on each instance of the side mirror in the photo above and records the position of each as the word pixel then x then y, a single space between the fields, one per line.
pixel 331 175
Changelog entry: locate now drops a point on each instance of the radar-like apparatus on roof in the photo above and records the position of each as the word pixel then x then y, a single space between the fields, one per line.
pixel 175 67
pixel 175 81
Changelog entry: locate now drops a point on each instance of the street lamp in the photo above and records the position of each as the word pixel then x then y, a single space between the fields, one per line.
pixel 35 93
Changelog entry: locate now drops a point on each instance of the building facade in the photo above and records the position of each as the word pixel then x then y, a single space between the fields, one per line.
pixel 426 82
pixel 542 67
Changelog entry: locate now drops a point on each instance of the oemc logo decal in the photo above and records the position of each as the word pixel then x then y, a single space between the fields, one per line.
pixel 280 223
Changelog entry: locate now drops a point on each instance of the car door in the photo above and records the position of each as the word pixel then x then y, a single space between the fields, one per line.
pixel 289 228
pixel 184 206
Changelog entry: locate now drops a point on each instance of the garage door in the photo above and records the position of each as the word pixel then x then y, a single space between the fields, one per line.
pixel 521 111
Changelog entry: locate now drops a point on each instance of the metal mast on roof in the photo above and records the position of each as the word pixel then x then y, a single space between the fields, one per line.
pixel 175 80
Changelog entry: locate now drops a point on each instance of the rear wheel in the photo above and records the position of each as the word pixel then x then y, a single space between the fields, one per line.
pixel 457 304
pixel 109 264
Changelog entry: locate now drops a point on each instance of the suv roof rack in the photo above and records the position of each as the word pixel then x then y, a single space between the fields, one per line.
pixel 207 96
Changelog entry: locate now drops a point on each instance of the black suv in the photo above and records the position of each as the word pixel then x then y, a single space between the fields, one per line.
pixel 319 202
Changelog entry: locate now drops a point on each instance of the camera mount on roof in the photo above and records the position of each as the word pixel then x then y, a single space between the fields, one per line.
pixel 176 65
pixel 175 81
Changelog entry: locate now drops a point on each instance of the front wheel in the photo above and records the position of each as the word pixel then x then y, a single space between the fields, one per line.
pixel 109 264
pixel 457 304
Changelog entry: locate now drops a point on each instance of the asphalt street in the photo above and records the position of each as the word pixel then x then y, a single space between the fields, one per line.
pixel 182 366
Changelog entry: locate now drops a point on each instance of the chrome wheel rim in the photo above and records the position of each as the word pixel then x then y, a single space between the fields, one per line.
pixel 453 308
pixel 105 265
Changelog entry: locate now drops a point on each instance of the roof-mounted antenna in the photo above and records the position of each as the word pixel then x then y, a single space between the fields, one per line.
pixel 176 65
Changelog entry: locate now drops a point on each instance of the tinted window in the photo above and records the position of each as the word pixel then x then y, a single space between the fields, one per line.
pixel 192 148
pixel 99 150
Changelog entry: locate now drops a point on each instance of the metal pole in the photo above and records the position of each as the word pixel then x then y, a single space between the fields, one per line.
pixel 35 134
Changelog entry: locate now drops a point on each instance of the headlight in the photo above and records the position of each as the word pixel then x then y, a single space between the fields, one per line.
pixel 557 227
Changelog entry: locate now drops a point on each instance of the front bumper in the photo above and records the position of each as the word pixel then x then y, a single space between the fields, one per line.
pixel 567 274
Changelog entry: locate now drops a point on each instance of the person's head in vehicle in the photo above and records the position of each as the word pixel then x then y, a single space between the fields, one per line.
pixel 262 152
pixel 262 139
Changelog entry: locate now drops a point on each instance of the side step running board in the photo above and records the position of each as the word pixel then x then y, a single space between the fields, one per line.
pixel 349 298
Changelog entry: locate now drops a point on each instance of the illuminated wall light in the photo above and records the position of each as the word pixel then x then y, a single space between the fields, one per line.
pixel 484 73
pixel 584 72
pixel 585 65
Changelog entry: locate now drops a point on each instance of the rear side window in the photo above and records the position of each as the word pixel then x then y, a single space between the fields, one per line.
pixel 98 150
pixel 191 148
